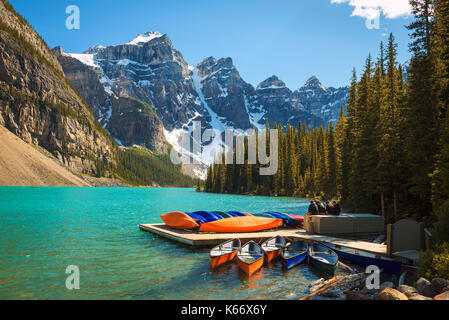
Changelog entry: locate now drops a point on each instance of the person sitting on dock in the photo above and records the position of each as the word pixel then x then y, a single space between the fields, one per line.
pixel 330 209
pixel 313 208
pixel 321 207
pixel 337 208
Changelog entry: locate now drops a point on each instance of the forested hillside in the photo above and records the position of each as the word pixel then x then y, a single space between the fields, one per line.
pixel 389 153
pixel 139 166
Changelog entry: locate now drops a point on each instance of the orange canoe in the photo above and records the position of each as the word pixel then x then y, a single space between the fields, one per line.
pixel 223 253
pixel 250 258
pixel 241 224
pixel 273 248
pixel 179 220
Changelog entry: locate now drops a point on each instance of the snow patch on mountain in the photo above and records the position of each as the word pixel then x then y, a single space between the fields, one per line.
pixel 255 117
pixel 87 59
pixel 146 37
pixel 215 122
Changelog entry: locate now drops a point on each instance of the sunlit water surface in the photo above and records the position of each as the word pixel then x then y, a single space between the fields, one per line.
pixel 43 230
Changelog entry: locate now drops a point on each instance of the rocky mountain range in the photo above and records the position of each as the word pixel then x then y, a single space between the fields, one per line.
pixel 144 92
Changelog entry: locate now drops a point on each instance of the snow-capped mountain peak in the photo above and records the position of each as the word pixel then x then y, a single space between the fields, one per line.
pixel 313 82
pixel 272 82
pixel 94 49
pixel 164 95
pixel 146 37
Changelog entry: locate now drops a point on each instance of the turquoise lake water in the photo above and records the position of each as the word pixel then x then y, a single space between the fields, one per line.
pixel 43 230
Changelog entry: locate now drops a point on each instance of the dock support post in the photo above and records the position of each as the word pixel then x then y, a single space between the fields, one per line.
pixel 390 232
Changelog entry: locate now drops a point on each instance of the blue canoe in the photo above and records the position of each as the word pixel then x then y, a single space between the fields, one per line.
pixel 295 254
pixel 291 222
pixel 365 258
pixel 287 221
pixel 224 215
pixel 196 217
pixel 236 213
pixel 264 215
pixel 205 215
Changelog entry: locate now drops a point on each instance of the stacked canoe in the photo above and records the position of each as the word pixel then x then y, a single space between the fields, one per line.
pixel 230 221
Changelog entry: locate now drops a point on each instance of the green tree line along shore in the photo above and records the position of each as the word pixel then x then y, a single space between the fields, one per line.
pixel 138 166
pixel 389 151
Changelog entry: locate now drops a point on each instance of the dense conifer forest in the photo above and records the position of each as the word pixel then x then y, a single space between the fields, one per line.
pixel 389 151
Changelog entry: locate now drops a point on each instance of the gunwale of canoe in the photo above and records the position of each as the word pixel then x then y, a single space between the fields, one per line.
pixel 225 248
pixel 224 252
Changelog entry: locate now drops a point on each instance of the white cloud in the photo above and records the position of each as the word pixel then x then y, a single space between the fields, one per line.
pixel 371 9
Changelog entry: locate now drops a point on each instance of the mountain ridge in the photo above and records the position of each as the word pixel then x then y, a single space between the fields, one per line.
pixel 149 69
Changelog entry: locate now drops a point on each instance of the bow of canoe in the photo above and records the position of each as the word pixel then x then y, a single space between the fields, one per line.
pixel 250 258
pixel 179 220
pixel 273 248
pixel 224 253
pixel 323 259
pixel 295 253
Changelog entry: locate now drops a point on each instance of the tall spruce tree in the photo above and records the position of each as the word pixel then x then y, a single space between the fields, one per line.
pixel 421 108
pixel 441 174
pixel 390 125
pixel 359 198
pixel 347 145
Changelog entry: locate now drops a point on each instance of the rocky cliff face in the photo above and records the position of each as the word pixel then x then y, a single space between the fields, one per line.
pixel 280 106
pixel 223 91
pixel 321 101
pixel 38 104
pixel 129 120
pixel 135 122
pixel 151 70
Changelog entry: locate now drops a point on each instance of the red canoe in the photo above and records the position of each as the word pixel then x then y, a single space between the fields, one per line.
pixel 300 219
pixel 241 224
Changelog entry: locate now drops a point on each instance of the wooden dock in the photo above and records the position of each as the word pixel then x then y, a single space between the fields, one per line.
pixel 211 239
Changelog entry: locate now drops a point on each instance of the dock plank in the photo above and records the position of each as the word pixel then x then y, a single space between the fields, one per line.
pixel 211 239
pixel 371 247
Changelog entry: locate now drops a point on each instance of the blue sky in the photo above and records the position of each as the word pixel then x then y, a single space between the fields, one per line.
pixel 293 39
